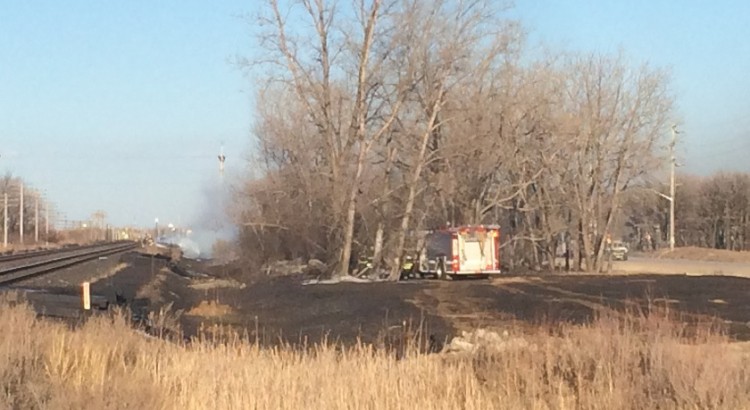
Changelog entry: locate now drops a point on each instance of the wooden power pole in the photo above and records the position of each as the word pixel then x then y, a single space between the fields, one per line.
pixel 673 165
pixel 5 220
pixel 20 214
pixel 36 219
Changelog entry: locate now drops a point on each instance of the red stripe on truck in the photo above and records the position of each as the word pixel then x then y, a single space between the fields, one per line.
pixel 454 253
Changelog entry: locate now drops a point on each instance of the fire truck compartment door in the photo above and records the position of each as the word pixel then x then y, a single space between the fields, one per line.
pixel 472 255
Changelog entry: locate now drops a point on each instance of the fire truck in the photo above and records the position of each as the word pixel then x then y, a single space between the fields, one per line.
pixel 459 251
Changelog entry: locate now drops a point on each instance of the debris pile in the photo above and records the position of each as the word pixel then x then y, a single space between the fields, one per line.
pixel 315 271
pixel 333 281
pixel 285 268
pixel 483 340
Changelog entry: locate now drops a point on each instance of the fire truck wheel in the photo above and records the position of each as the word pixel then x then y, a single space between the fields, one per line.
pixel 440 272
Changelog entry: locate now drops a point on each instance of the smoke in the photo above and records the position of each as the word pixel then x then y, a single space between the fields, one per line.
pixel 213 222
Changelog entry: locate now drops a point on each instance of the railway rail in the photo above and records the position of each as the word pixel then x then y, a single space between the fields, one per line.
pixel 38 253
pixel 38 263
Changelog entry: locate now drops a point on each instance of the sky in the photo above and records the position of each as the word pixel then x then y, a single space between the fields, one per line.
pixel 704 45
pixel 124 106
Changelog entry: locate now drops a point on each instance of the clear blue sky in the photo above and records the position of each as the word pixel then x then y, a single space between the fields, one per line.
pixel 122 106
pixel 705 45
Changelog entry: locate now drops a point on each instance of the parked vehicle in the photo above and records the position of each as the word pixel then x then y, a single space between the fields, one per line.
pixel 459 251
pixel 618 250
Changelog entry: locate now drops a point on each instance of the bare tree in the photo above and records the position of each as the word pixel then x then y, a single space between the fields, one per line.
pixel 385 116
pixel 711 211
pixel 622 117
pixel 344 90
pixel 454 45
pixel 10 185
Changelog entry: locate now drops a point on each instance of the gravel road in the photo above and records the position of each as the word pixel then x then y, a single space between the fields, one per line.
pixel 640 264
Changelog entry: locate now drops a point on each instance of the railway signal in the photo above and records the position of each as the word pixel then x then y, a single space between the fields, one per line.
pixel 222 159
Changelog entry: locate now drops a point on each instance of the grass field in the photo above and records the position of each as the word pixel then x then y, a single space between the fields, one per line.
pixel 617 362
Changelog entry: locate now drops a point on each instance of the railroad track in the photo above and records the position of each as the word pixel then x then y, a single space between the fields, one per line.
pixel 43 262
pixel 45 252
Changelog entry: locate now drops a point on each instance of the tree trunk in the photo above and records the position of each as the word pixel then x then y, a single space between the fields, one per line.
pixel 552 255
pixel 586 246
pixel 377 254
pixel 358 126
pixel 346 250
pixel 533 248
pixel 413 185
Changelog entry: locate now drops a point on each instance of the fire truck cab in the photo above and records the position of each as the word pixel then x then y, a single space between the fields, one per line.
pixel 460 251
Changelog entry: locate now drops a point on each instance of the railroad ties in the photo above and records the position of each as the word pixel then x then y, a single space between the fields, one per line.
pixel 14 269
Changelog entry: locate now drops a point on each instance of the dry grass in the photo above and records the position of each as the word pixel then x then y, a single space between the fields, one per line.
pixel 706 254
pixel 152 289
pixel 615 363
pixel 210 309
pixel 111 272
pixel 15 248
pixel 214 283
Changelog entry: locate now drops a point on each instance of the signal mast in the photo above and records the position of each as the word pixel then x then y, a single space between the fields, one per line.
pixel 222 158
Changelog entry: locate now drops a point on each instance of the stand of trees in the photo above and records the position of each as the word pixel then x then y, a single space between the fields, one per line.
pixel 379 118
pixel 710 212
pixel 11 186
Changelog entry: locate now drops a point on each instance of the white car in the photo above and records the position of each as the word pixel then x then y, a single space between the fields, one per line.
pixel 618 250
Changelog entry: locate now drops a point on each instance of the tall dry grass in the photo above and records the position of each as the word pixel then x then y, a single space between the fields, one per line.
pixel 614 363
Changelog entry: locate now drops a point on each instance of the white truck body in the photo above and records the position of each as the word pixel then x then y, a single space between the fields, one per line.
pixel 464 250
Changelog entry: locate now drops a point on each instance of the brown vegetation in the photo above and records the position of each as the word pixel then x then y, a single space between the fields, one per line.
pixel 710 212
pixel 615 363
pixel 210 309
pixel 19 194
pixel 111 272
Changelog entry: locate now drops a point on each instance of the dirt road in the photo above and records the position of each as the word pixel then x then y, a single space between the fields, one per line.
pixel 641 264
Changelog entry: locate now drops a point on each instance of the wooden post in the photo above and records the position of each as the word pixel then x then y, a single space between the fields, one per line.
pixel 20 214
pixel 5 220
pixel 36 219
pixel 86 295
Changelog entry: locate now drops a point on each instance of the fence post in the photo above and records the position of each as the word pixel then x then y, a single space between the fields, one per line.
pixel 86 295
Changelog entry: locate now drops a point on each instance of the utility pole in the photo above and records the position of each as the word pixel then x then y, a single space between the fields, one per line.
pixel 46 223
pixel 36 219
pixel 5 220
pixel 673 165
pixel 20 212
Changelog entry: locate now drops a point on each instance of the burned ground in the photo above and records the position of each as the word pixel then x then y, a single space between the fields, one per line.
pixel 283 309
pixel 278 309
